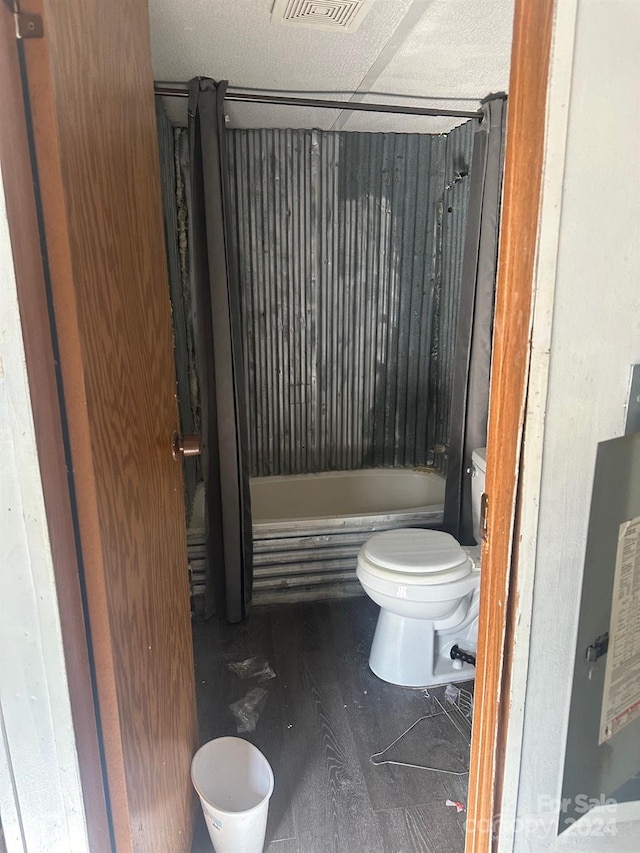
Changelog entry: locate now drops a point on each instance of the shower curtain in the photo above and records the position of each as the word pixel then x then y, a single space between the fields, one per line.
pixel 472 363
pixel 226 477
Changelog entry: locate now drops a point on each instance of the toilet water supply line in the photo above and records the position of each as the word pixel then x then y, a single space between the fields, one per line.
pixel 457 653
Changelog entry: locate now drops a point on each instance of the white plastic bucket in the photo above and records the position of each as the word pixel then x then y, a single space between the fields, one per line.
pixel 234 782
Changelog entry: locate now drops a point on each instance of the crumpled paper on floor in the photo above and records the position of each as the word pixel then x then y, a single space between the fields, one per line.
pixel 248 709
pixel 255 667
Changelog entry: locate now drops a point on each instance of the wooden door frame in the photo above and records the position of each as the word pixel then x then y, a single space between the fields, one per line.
pixel 47 403
pixel 524 153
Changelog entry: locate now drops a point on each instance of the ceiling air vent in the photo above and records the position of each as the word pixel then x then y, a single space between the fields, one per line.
pixel 337 15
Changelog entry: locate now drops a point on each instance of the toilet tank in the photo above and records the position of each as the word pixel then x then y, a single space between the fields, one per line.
pixel 479 467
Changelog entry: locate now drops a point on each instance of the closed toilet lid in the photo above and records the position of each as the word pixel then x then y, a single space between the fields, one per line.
pixel 415 551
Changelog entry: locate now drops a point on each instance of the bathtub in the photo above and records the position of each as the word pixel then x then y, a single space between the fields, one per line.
pixel 308 528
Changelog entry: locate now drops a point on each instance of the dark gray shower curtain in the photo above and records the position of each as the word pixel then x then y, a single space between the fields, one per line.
pixel 228 508
pixel 472 363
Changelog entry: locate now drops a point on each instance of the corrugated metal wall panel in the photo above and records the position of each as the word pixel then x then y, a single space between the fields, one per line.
pixel 349 259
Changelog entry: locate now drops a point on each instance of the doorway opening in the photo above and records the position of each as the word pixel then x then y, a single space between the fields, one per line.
pixel 351 249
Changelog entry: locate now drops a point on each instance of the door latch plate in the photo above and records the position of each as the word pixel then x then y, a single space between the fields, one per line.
pixel 484 512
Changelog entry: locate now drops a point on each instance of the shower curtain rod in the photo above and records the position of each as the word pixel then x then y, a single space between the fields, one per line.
pixel 292 101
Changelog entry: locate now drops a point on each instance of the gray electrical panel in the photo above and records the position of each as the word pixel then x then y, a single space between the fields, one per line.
pixel 594 770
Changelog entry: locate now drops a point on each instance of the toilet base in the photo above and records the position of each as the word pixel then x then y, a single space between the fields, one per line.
pixel 412 653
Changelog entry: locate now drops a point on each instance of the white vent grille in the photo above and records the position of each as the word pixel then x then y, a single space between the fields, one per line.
pixel 336 15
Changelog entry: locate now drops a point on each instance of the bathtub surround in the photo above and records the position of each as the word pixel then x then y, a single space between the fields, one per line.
pixel 349 250
pixel 329 268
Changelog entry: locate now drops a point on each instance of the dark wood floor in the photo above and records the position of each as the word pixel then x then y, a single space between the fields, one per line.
pixel 325 715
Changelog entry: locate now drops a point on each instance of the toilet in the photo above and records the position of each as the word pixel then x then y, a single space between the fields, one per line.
pixel 427 587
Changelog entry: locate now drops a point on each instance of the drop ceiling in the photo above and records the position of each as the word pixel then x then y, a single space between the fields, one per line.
pixel 434 53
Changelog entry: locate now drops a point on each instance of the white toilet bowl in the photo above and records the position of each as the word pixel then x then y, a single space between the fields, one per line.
pixel 426 585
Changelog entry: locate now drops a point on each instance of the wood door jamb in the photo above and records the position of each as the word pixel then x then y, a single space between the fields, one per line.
pixel 532 32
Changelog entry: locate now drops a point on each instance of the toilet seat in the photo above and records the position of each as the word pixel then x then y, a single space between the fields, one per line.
pixel 415 557
pixel 409 587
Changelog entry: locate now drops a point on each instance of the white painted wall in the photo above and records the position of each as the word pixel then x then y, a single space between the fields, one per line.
pixel 586 336
pixel 41 801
